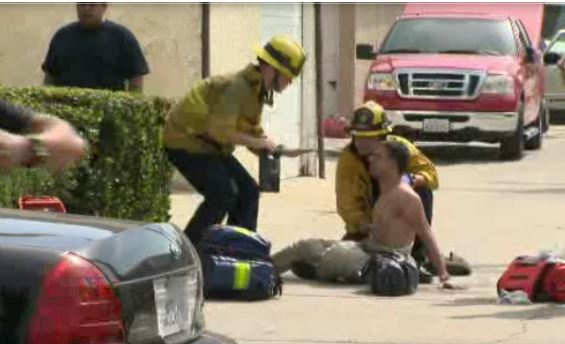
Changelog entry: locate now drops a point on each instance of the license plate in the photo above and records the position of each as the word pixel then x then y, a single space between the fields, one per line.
pixel 434 125
pixel 175 302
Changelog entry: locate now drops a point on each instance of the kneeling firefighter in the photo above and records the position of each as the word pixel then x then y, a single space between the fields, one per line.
pixel 356 192
pixel 216 115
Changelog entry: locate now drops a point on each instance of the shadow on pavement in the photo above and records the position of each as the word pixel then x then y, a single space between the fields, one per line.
pixel 530 312
pixel 540 191
pixel 544 313
pixel 290 279
pixel 462 154
pixel 450 154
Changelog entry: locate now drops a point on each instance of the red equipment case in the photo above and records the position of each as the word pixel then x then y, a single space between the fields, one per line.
pixel 42 203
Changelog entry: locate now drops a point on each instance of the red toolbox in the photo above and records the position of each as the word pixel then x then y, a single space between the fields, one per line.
pixel 42 203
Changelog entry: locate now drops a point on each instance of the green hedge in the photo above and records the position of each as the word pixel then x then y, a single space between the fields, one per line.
pixel 125 175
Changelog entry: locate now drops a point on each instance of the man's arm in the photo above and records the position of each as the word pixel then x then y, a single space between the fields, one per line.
pixel 59 140
pixel 425 171
pixel 415 216
pixel 51 63
pixel 135 84
pixel 48 80
pixel 133 63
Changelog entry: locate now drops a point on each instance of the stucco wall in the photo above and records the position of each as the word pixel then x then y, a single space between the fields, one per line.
pixel 169 35
pixel 235 29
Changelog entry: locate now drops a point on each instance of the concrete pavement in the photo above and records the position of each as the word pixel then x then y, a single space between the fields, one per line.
pixel 486 210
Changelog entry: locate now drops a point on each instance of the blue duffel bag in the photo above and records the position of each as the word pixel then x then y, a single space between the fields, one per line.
pixel 234 242
pixel 236 265
pixel 231 278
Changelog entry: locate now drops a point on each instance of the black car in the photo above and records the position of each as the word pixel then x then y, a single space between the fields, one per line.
pixel 85 280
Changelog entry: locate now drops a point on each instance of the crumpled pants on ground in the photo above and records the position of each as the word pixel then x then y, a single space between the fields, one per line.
pixel 326 260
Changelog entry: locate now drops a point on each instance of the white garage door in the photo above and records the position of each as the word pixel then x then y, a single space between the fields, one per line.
pixel 282 121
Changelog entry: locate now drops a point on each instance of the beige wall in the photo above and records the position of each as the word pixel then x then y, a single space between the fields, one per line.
pixel 235 29
pixel 168 33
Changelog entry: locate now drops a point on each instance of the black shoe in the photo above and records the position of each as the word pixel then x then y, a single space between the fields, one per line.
pixel 304 270
pixel 455 265
pixel 425 276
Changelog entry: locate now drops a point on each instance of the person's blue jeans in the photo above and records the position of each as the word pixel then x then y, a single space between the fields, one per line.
pixel 226 186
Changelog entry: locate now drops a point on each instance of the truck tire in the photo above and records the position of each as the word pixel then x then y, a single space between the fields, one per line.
pixel 536 141
pixel 512 148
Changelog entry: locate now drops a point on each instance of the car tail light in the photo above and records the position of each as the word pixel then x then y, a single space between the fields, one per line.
pixel 77 305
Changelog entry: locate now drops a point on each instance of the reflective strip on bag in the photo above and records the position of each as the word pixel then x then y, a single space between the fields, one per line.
pixel 242 276
pixel 243 231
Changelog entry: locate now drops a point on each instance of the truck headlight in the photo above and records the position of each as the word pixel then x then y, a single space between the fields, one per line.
pixel 498 84
pixel 381 82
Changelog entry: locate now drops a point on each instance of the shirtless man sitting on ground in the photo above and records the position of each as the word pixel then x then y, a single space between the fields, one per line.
pixel 398 216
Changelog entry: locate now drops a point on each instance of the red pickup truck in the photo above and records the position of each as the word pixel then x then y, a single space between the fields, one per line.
pixel 463 73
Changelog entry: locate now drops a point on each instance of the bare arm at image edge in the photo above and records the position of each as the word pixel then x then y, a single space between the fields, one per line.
pixel 415 215
pixel 60 140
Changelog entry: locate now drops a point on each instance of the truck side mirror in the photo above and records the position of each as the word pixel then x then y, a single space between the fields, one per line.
pixel 530 55
pixel 365 52
pixel 551 58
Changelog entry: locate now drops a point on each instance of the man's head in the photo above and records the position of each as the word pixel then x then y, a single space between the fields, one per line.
pixel 91 15
pixel 281 60
pixel 369 127
pixel 389 159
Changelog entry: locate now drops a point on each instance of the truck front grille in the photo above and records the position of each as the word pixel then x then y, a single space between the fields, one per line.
pixel 439 84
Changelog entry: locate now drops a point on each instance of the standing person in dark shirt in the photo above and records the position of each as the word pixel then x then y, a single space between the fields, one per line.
pixel 28 139
pixel 95 53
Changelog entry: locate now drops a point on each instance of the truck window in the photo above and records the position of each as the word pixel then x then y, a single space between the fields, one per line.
pixel 451 36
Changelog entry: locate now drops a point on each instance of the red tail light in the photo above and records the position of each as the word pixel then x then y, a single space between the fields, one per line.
pixel 77 306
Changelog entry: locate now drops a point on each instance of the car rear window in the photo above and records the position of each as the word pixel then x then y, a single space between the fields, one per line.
pixel 450 35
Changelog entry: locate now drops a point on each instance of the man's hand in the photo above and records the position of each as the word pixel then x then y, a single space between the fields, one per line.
pixel 15 151
pixel 444 278
pixel 64 146
pixel 419 181
pixel 63 150
pixel 265 144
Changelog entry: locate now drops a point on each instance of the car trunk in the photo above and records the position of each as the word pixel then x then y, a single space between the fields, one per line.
pixel 152 269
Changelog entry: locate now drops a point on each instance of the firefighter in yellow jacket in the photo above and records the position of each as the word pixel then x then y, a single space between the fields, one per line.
pixel 356 193
pixel 216 115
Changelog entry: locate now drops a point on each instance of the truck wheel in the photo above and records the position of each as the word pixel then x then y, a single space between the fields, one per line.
pixel 512 148
pixel 536 141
